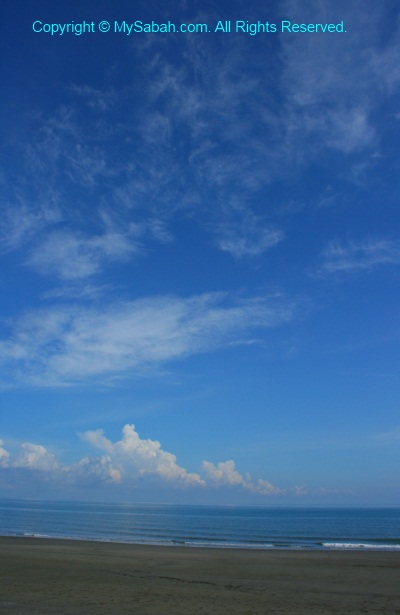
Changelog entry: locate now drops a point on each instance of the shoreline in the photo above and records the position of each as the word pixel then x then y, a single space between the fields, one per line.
pixel 44 575
pixel 339 546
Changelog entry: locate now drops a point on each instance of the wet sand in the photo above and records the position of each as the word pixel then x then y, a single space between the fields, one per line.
pixel 63 576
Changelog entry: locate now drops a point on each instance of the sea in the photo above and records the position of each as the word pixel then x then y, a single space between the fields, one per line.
pixel 239 527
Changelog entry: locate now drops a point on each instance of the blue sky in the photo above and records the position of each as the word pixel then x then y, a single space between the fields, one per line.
pixel 200 256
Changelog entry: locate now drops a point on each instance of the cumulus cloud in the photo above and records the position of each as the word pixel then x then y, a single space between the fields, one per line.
pixel 133 457
pixel 94 468
pixel 135 462
pixel 225 474
pixel 4 456
pixel 35 457
pixel 266 488
pixel 129 461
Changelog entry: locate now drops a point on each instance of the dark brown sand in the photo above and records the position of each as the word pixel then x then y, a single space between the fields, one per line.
pixel 62 576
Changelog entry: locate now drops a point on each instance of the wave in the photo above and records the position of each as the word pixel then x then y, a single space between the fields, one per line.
pixel 361 545
pixel 212 544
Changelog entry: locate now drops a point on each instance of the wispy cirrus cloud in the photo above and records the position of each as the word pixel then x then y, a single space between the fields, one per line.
pixel 186 149
pixel 387 438
pixel 73 256
pixel 23 220
pixel 100 100
pixel 208 133
pixel 247 239
pixel 336 95
pixel 351 257
pixel 71 345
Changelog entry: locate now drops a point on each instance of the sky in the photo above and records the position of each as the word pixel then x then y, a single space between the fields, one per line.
pixel 200 253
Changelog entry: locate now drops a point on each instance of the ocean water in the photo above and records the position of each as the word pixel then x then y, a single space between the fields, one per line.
pixel 206 526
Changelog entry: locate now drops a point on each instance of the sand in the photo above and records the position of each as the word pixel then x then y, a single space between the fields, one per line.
pixel 63 576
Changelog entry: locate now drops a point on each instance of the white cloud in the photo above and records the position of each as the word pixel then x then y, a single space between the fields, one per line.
pixel 22 221
pixel 235 130
pixel 129 461
pixel 77 290
pixel 264 487
pixel 66 345
pixel 73 256
pixel 350 131
pixel 336 94
pixel 247 235
pixel 4 456
pixel 136 462
pixel 35 457
pixel 225 474
pixel 100 100
pixel 359 256
pixel 93 469
pixel 202 144
pixel 133 457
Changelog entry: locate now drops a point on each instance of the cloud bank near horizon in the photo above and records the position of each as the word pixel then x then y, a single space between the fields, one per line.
pixel 128 463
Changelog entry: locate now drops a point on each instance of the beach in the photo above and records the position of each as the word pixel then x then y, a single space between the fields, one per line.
pixel 40 575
